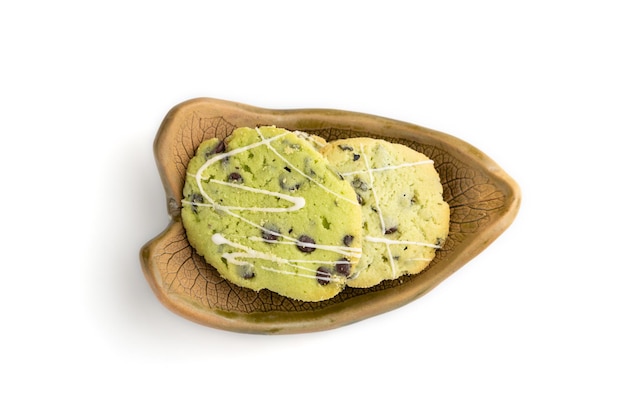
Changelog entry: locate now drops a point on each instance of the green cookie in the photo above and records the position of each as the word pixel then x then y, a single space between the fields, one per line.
pixel 268 212
pixel 405 218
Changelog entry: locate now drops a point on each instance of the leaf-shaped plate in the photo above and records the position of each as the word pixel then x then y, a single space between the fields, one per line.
pixel 483 201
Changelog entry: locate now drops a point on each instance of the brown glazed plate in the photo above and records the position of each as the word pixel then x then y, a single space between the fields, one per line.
pixel 483 200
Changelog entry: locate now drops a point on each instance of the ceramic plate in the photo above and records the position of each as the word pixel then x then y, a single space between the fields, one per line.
pixel 483 200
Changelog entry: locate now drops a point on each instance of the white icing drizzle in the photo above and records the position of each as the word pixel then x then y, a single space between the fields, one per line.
pixel 264 229
pixel 313 180
pixel 198 175
pixel 343 250
pixel 371 175
pixel 225 155
pixel 237 216
pixel 235 258
pixel 388 168
pixel 399 242
pixel 298 202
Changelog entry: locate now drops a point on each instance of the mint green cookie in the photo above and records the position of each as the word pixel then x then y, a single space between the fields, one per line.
pixel 265 209
pixel 405 218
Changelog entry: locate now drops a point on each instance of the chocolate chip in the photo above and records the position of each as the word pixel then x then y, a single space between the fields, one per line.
pixel 287 169
pixel 323 275
pixel 359 199
pixel 347 240
pixel 358 184
pixel 288 182
pixel 270 233
pixel 391 230
pixel 219 148
pixel 346 148
pixel 343 267
pixel 195 198
pixel 306 248
pixel 356 157
pixel 246 272
pixel 235 177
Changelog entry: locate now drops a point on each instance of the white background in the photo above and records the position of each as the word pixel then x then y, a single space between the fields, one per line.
pixel 535 325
